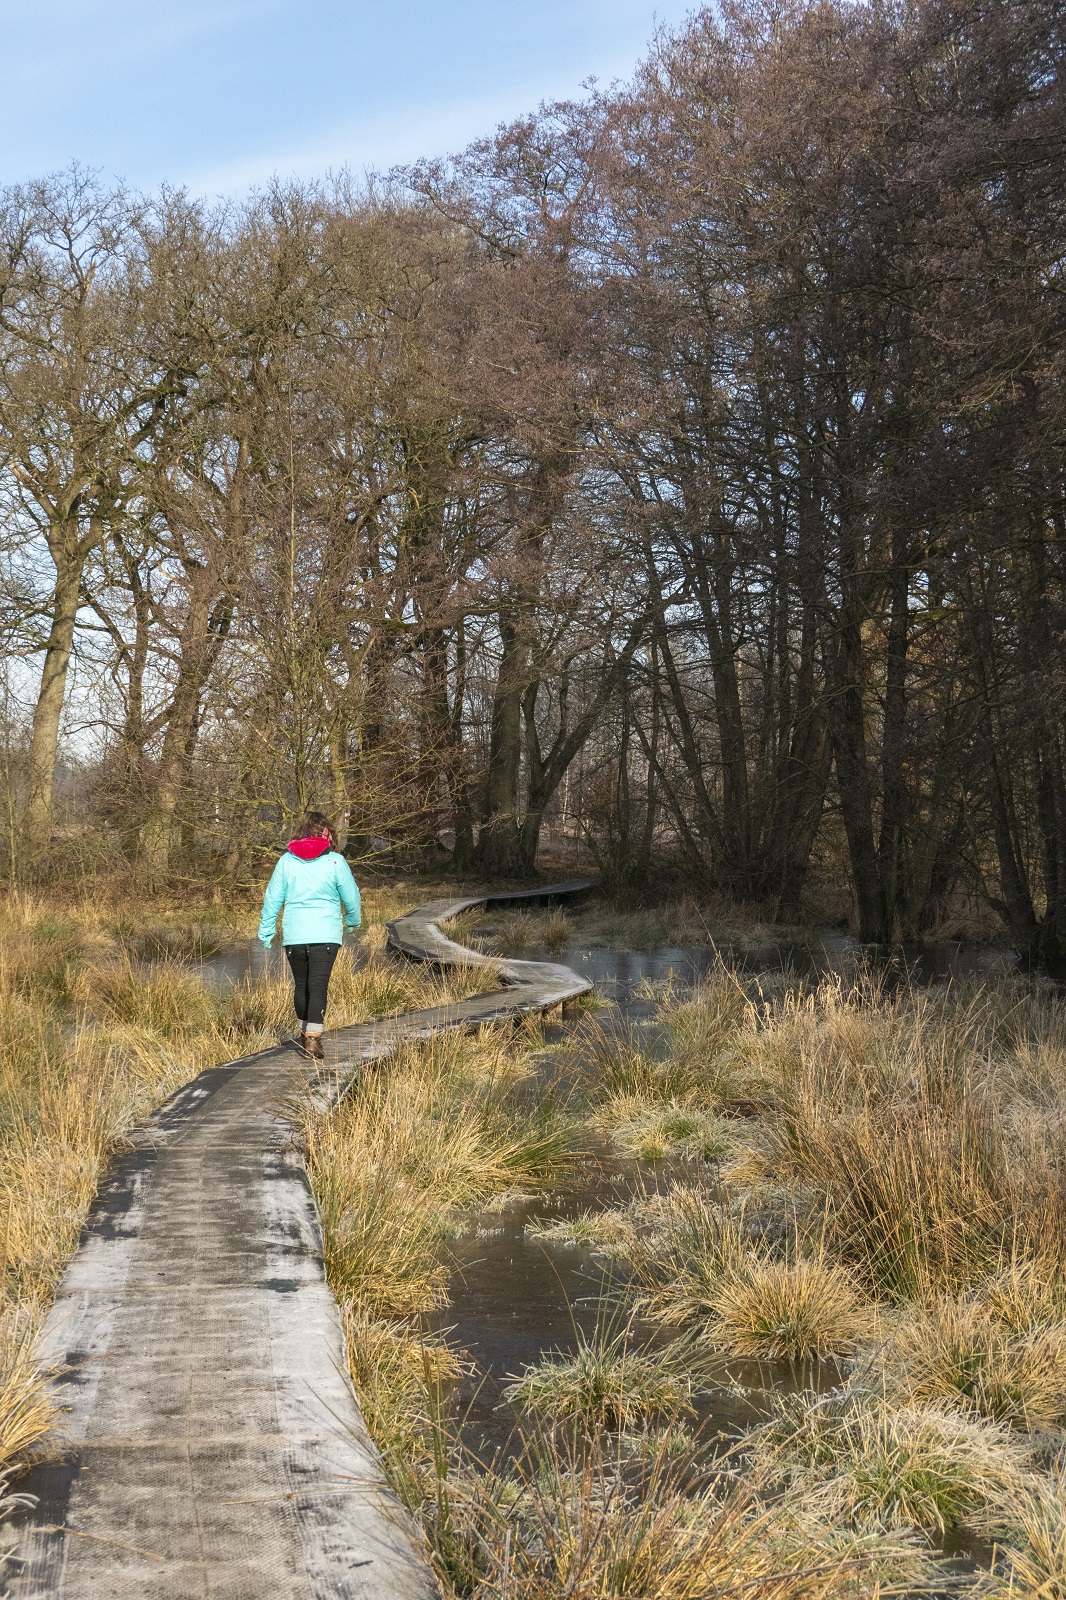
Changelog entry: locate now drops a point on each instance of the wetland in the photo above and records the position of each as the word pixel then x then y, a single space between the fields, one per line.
pixel 748 1275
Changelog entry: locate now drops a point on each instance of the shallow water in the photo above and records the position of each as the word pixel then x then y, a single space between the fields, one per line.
pixel 516 1298
pixel 244 962
pixel 619 974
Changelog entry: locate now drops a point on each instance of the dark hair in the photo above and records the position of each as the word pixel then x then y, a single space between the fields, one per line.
pixel 313 824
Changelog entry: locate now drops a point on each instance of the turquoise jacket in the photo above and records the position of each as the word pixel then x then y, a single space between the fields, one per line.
pixel 318 899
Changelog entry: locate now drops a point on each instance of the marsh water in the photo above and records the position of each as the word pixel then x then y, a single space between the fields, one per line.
pixel 515 1297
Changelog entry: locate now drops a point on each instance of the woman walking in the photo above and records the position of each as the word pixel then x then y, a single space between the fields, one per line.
pixel 312 886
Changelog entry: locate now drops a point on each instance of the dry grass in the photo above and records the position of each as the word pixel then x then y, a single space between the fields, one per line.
pixel 382 1256
pixel 799 1310
pixel 598 923
pixel 698 1063
pixel 459 1117
pixel 26 1412
pixel 1031 1563
pixel 898 1121
pixel 439 1125
pixel 571 1520
pixel 400 1373
pixel 693 1240
pixel 918 1198
pixel 608 1232
pixel 1029 1293
pixel 894 1188
pixel 651 1131
pixel 707 1024
pixel 699 1265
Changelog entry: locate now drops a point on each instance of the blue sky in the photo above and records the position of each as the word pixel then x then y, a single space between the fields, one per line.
pixel 219 96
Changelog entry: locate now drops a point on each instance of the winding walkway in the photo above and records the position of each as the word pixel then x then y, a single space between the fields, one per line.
pixel 212 1447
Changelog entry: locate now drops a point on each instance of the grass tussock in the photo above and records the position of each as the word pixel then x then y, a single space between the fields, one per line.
pixel 701 1266
pixel 800 1310
pixel 960 1353
pixel 1029 1293
pixel 1031 1562
pixel 655 1132
pixel 870 1463
pixel 899 1121
pixel 608 1382
pixel 439 1125
pixel 876 1176
pixel 400 1374
pixel 609 1232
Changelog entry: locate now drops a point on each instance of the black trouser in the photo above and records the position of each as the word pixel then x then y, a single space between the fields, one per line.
pixel 311 966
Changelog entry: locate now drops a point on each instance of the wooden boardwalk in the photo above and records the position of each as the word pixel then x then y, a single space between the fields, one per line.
pixel 211 1444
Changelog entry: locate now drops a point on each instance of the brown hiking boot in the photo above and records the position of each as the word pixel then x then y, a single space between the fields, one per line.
pixel 312 1046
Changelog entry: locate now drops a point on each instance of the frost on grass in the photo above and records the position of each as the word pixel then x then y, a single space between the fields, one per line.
pixel 854 1457
pixel 609 1382
pixel 608 1232
pixel 965 1355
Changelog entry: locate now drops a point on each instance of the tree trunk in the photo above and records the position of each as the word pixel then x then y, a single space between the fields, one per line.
pixel 48 711
pixel 501 852
pixel 848 733
pixel 200 639
pixel 893 755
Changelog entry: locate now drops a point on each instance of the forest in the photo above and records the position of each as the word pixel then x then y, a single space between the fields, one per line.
pixel 675 478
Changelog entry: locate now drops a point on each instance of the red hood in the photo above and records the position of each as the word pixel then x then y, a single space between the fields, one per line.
pixel 309 849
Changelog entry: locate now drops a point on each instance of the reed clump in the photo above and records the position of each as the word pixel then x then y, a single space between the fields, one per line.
pixel 1030 1564
pixel 874 1177
pixel 701 1265
pixel 902 1126
pixel 568 1518
pixel 439 1125
pixel 651 1131
pixel 400 1374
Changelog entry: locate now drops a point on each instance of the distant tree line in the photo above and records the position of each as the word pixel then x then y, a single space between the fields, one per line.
pixel 685 463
